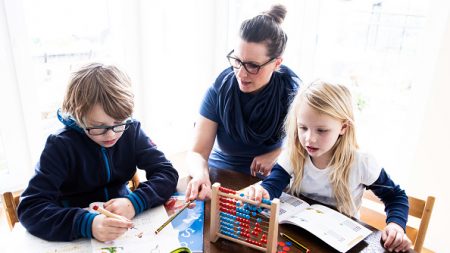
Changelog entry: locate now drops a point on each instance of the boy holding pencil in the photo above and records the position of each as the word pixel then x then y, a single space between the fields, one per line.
pixel 91 160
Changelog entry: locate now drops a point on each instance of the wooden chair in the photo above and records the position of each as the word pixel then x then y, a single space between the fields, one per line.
pixel 418 208
pixel 10 201
pixel 134 182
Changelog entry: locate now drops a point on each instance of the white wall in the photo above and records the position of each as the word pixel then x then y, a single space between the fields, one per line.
pixel 429 172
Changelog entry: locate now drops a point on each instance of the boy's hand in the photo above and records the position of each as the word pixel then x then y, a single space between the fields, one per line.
pixel 256 192
pixel 121 206
pixel 198 188
pixel 108 229
pixel 395 239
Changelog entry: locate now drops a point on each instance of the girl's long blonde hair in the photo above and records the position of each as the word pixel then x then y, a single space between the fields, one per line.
pixel 335 101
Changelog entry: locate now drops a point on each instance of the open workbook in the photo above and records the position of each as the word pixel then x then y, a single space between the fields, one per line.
pixel 140 239
pixel 189 224
pixel 332 227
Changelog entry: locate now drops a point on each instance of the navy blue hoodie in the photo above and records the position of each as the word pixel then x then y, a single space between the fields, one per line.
pixel 74 171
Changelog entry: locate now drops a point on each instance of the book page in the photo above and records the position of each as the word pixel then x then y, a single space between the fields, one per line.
pixel 189 223
pixel 334 228
pixel 142 238
pixel 21 241
pixel 289 205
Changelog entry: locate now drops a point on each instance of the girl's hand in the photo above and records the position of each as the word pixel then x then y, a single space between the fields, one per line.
pixel 121 206
pixel 108 229
pixel 395 239
pixel 256 192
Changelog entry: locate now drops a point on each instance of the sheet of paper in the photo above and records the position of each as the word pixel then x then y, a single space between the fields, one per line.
pixel 26 242
pixel 146 222
pixel 143 237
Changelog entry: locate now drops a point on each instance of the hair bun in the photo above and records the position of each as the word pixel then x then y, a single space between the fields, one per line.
pixel 277 13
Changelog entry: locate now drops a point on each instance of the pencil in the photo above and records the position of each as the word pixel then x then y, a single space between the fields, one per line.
pixel 108 213
pixel 299 245
pixel 111 215
pixel 173 217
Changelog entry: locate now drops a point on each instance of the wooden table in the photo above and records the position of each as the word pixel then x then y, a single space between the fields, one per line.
pixel 235 180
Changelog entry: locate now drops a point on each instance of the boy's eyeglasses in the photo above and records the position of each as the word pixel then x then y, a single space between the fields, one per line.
pixel 250 67
pixel 104 129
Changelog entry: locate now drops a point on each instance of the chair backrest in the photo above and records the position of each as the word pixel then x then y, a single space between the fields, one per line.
pixel 10 201
pixel 134 182
pixel 418 208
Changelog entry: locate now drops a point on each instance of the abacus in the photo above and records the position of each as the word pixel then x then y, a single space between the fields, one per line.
pixel 238 219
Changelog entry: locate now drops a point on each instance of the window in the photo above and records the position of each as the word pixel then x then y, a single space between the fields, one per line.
pixel 178 50
pixel 374 47
pixel 45 41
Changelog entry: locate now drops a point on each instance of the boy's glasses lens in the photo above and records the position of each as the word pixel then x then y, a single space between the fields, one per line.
pixel 102 130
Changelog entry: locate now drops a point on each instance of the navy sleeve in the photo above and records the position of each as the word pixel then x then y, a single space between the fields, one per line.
pixel 276 182
pixel 394 199
pixel 161 176
pixel 39 210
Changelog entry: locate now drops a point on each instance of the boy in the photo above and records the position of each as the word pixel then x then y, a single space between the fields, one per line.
pixel 91 159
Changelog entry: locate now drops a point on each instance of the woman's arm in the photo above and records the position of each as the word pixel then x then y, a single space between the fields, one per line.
pixel 197 159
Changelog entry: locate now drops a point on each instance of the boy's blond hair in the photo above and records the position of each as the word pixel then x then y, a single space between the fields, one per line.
pixel 99 84
pixel 335 101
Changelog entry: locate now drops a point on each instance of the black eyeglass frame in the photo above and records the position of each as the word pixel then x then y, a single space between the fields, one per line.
pixel 107 128
pixel 242 63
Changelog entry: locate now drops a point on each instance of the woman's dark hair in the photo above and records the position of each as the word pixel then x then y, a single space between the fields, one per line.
pixel 266 28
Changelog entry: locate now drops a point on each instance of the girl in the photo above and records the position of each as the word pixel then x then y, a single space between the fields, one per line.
pixel 323 158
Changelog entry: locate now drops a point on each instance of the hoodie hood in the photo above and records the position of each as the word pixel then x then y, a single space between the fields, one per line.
pixel 69 122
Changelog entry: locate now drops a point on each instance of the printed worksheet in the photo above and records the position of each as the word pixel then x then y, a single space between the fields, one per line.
pixel 142 237
pixel 22 241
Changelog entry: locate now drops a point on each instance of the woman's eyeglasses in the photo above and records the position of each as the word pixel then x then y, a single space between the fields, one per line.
pixel 250 67
pixel 104 129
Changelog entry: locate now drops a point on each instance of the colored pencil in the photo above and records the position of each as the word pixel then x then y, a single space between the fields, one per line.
pixel 110 215
pixel 173 217
pixel 297 244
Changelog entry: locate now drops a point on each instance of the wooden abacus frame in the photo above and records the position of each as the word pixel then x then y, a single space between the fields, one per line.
pixel 272 238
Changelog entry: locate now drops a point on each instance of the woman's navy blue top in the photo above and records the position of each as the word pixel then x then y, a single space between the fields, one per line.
pixel 248 124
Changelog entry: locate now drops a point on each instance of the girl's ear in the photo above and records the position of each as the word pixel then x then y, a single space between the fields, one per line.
pixel 344 127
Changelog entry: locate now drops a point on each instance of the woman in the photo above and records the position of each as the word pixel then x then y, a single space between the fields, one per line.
pixel 245 108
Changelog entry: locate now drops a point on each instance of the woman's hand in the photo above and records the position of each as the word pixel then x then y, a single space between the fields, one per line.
pixel 121 206
pixel 256 192
pixel 264 163
pixel 108 229
pixel 395 239
pixel 198 188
